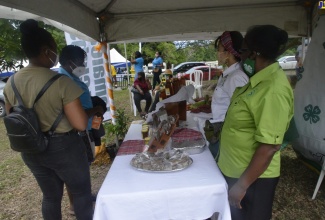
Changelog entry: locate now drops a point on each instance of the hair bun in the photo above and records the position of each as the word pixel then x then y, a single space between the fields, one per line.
pixel 29 26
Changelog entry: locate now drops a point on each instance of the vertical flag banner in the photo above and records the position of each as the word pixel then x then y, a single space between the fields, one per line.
pixel 103 48
pixel 309 100
pixel 95 76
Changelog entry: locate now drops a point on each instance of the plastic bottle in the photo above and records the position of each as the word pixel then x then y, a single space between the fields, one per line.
pixel 97 120
pixel 168 89
pixel 162 95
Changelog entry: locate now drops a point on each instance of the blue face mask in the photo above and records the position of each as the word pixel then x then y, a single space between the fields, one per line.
pixel 249 67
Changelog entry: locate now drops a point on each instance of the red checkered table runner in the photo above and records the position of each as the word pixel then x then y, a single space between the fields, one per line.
pixel 131 147
pixel 186 134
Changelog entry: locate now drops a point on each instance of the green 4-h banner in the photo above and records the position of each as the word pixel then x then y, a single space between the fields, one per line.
pixel 309 100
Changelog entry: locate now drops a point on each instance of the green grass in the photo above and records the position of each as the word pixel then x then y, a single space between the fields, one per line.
pixel 20 196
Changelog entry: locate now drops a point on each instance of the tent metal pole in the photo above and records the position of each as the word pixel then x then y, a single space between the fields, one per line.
pixel 126 63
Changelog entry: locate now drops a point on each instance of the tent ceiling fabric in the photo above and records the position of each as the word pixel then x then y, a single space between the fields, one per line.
pixel 168 20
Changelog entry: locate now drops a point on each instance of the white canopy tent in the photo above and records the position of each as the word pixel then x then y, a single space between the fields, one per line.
pixel 116 57
pixel 153 20
pixel 117 21
pixel 118 60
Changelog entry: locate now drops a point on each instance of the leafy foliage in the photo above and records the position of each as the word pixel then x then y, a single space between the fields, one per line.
pixel 12 56
pixel 119 129
pixel 172 52
pixel 11 53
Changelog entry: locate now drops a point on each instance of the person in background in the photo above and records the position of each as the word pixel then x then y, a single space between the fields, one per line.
pixel 157 65
pixel 65 159
pixel 300 55
pixel 119 71
pixel 113 73
pixel 138 63
pixel 257 119
pixel 72 60
pixel 227 46
pixel 143 86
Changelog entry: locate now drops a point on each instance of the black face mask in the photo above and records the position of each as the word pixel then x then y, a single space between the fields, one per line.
pixel 140 78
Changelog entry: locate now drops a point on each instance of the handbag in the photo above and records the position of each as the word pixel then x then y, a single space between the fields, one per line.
pixel 134 90
pixel 156 70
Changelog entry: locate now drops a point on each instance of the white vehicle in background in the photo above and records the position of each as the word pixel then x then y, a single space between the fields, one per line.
pixel 213 64
pixel 287 62
pixel 183 67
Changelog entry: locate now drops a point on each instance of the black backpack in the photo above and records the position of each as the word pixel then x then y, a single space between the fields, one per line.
pixel 22 124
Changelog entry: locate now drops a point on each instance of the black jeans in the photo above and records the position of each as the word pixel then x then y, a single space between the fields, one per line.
pixel 137 101
pixel 258 200
pixel 65 161
pixel 156 79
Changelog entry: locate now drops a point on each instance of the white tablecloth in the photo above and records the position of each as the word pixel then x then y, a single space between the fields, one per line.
pixel 194 193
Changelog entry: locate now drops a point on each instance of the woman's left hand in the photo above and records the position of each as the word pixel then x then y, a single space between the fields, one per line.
pixel 236 194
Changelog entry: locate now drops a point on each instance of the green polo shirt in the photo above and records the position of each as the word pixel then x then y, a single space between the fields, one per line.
pixel 259 112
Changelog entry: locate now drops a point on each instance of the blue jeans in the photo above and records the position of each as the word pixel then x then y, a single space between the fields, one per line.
pixel 65 161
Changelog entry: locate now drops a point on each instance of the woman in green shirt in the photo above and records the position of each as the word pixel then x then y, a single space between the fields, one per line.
pixel 256 120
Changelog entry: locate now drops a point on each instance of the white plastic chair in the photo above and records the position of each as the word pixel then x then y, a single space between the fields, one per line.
pixel 196 78
pixel 132 104
pixel 320 179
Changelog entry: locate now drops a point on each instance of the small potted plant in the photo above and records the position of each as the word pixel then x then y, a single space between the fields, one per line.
pixel 116 132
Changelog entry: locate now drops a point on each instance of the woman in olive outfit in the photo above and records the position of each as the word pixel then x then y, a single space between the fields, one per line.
pixel 256 120
pixel 65 160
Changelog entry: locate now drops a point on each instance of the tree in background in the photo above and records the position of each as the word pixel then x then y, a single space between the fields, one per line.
pixel 11 53
pixel 172 52
pixel 12 56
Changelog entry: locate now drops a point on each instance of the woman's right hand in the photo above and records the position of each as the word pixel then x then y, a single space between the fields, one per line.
pixel 235 195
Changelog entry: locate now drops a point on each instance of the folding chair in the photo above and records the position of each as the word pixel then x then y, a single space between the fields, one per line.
pixel 196 78
pixel 132 104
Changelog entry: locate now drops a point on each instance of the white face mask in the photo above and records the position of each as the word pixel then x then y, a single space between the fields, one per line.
pixel 79 71
pixel 56 59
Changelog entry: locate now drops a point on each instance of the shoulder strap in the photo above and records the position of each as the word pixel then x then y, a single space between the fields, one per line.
pixel 20 100
pixel 46 86
pixel 56 123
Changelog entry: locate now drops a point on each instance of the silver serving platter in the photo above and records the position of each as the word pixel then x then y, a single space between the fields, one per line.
pixel 157 164
pixel 190 147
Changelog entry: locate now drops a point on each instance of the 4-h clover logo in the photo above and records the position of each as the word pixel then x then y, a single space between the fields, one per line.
pixel 300 71
pixel 312 114
pixel 299 76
